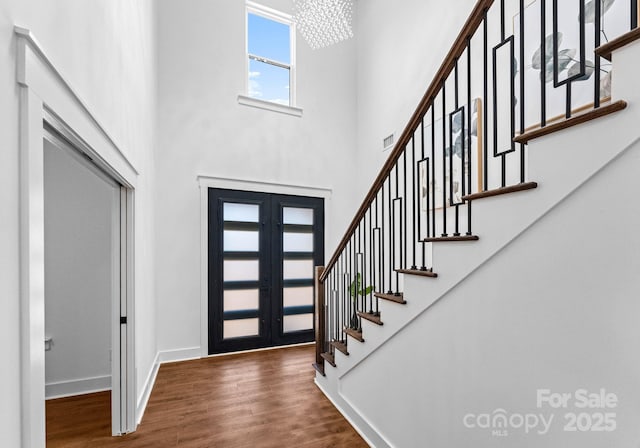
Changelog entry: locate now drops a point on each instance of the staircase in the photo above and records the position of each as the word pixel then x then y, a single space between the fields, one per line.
pixel 492 257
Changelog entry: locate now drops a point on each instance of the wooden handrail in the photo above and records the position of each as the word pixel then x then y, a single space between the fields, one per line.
pixel 459 46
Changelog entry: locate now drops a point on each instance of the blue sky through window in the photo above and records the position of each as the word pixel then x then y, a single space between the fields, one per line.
pixel 268 39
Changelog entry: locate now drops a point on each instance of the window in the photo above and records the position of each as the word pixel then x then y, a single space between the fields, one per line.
pixel 270 60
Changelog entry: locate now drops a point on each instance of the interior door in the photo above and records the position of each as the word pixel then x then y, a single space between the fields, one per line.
pixel 262 252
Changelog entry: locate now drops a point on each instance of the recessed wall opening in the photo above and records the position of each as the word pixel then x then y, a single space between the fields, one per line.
pixel 85 230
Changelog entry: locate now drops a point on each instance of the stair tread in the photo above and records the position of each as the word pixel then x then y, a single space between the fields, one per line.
pixel 452 238
pixel 605 50
pixel 341 346
pixel 355 334
pixel 391 297
pixel 504 190
pixel 573 121
pixel 420 272
pixel 371 318
pixel 329 358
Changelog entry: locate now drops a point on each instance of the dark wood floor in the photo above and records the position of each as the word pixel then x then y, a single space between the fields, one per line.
pixel 255 400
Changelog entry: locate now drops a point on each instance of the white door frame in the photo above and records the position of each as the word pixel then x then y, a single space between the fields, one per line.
pixel 45 96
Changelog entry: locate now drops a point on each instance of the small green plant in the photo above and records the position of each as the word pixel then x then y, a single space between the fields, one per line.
pixel 357 290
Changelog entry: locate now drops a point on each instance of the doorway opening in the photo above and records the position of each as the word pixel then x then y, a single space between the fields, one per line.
pixel 86 235
pixel 263 248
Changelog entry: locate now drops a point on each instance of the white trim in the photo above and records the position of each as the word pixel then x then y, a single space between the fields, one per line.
pixel 287 19
pixel 177 355
pixel 346 416
pixel 33 43
pixel 269 13
pixel 147 387
pixel 45 95
pixel 264 186
pixel 206 182
pixel 268 105
pixel 79 386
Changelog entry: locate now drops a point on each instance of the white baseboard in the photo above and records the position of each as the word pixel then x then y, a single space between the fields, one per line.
pixel 146 389
pixel 182 354
pixel 161 358
pixel 345 414
pixel 80 386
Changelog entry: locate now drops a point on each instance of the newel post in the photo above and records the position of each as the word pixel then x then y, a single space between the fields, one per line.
pixel 320 320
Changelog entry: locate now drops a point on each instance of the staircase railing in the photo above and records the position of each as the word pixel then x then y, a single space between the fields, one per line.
pixel 514 69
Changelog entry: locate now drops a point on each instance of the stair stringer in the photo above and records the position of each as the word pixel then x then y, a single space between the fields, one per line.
pixel 516 212
pixel 548 158
pixel 551 310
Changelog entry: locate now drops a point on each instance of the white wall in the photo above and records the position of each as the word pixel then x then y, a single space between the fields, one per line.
pixel 105 49
pixel 556 309
pixel 79 210
pixel 204 131
pixel 400 46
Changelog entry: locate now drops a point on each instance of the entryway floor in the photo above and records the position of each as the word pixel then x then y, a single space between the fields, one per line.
pixel 263 399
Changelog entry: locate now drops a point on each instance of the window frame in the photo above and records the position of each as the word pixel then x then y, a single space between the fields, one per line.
pixel 286 19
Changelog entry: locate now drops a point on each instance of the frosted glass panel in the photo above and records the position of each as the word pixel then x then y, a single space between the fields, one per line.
pixel 242 299
pixel 297 215
pixel 297 269
pixel 297 322
pixel 241 241
pixel 239 328
pixel 241 212
pixel 297 296
pixel 298 242
pixel 241 270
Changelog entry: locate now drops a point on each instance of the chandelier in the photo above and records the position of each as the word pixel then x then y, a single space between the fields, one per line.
pixel 323 22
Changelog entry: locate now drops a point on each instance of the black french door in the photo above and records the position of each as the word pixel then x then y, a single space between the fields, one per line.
pixel 262 252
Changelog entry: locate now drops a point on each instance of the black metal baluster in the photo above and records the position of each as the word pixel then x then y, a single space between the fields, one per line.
pixel 345 303
pixel 371 278
pixel 405 210
pixel 379 257
pixel 597 62
pixel 467 156
pixel 382 245
pixel 352 309
pixel 432 209
pixel 393 217
pixel 361 272
pixel 391 245
pixel 347 298
pixel 416 197
pixel 468 166
pixel 634 14
pixel 502 24
pixel 336 309
pixel 522 99
pixel 456 206
pixel 543 53
pixel 337 274
pixel 485 147
pixel 444 160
